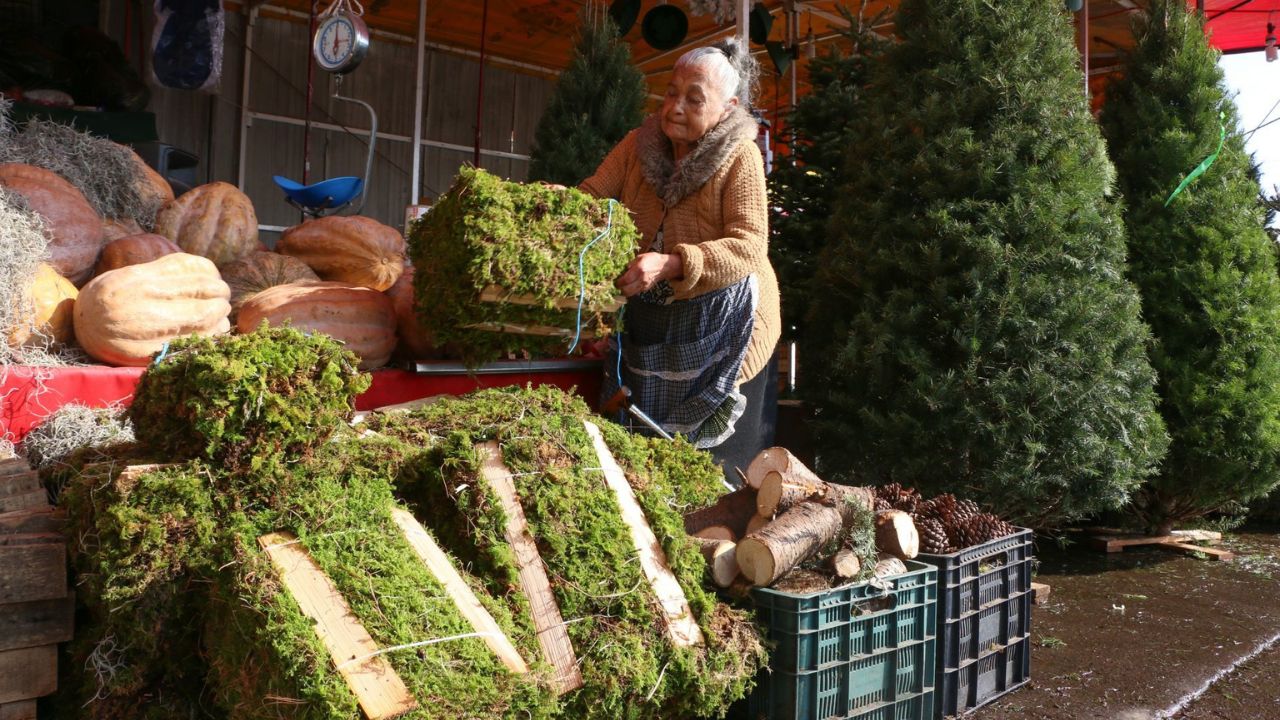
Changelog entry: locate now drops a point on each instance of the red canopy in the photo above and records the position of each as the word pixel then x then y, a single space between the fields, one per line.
pixel 1239 25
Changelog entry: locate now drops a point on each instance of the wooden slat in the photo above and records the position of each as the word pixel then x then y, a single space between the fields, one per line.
pixel 513 329
pixel 553 638
pixel 43 520
pixel 20 483
pixel 1039 592
pixel 20 710
pixel 495 294
pixel 463 598
pixel 682 627
pixel 398 407
pixel 12 466
pixel 28 673
pixel 379 690
pixel 32 567
pixel 24 501
pixel 39 622
pixel 1210 552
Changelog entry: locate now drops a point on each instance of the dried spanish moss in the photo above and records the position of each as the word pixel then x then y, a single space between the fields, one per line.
pixel 22 235
pixel 74 427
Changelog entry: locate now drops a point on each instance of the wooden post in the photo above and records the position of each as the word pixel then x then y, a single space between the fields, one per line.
pixel 548 624
pixel 463 598
pixel 376 685
pixel 682 627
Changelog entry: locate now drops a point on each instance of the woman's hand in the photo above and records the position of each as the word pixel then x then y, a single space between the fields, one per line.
pixel 646 270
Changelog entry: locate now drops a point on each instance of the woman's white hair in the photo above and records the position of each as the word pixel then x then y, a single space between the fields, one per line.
pixel 731 67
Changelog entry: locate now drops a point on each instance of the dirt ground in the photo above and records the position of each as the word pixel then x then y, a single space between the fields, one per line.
pixel 1151 633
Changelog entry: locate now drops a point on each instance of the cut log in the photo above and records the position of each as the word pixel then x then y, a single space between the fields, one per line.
pixel 756 522
pixel 548 624
pixel 28 673
pixel 848 499
pixel 845 564
pixel 779 493
pixel 459 591
pixel 36 623
pixel 375 684
pixel 716 532
pixel 887 565
pixel 793 537
pixel 722 560
pixel 682 627
pixel 767 461
pixel 733 511
pixel 896 534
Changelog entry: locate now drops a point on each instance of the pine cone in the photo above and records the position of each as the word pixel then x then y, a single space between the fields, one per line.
pixel 939 508
pixel 882 504
pixel 907 502
pixel 967 509
pixel 933 538
pixel 889 492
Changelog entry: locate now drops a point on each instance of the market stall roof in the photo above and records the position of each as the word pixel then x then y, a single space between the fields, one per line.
pixel 536 36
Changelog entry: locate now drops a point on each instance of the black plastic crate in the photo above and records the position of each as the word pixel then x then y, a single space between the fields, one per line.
pixel 984 621
pixel 860 651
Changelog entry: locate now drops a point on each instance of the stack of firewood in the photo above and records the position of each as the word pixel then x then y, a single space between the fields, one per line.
pixel 786 516
pixel 36 607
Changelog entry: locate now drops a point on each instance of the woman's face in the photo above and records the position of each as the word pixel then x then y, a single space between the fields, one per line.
pixel 693 105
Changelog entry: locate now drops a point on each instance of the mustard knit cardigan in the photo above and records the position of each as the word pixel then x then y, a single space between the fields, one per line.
pixel 720 230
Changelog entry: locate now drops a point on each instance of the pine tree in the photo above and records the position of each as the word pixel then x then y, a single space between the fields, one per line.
pixel 1205 268
pixel 598 99
pixel 802 188
pixel 973 327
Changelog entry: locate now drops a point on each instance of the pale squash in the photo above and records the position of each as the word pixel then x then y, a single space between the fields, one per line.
pixel 260 270
pixel 362 319
pixel 124 316
pixel 75 230
pixel 134 250
pixel 416 342
pixel 215 221
pixel 354 250
pixel 53 299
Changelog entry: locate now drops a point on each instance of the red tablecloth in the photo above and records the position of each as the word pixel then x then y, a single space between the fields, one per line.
pixel 29 394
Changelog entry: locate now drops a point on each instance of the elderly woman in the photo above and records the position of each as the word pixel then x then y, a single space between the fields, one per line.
pixel 701 321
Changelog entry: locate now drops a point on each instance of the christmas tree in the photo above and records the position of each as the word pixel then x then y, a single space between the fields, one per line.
pixel 598 99
pixel 975 332
pixel 802 188
pixel 1205 269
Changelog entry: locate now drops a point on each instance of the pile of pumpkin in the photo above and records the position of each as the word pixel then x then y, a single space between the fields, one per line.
pixel 121 293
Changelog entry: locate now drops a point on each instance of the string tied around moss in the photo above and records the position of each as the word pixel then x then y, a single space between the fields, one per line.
pixel 582 278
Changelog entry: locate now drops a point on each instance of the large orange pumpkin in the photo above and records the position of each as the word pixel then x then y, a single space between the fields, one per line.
pixel 259 270
pixel 116 228
pixel 355 250
pixel 360 318
pixel 416 342
pixel 75 230
pixel 215 221
pixel 124 316
pixel 134 250
pixel 53 298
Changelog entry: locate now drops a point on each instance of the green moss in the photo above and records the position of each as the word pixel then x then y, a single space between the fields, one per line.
pixel 629 667
pixel 246 400
pixel 525 239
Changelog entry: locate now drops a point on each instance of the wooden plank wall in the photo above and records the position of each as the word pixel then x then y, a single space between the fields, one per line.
pixel 208 124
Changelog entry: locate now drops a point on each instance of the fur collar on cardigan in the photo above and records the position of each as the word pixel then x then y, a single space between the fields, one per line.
pixel 674 182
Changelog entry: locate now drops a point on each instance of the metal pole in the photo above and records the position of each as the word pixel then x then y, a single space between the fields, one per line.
pixel 414 192
pixel 306 115
pixel 244 95
pixel 484 31
pixel 1084 44
pixel 744 27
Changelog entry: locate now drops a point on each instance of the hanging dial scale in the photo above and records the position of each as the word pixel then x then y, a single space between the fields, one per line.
pixel 342 38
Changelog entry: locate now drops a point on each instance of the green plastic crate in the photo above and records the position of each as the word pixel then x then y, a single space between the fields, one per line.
pixel 860 651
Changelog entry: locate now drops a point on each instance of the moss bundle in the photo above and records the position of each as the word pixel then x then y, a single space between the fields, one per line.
pixel 108 173
pixel 526 240
pixel 72 428
pixel 22 235
pixel 246 400
pixel 629 667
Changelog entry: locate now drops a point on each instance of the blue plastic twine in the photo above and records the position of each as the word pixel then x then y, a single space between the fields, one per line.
pixel 164 350
pixel 582 279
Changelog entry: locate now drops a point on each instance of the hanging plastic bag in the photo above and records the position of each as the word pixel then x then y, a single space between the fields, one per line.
pixel 186 47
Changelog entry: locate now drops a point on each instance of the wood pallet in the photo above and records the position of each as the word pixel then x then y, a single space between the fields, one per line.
pixel 1112 541
pixel 36 606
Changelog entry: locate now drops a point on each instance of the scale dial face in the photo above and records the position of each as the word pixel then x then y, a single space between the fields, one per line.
pixel 341 42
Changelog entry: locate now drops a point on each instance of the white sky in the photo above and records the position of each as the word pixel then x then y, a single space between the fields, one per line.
pixel 1257 84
